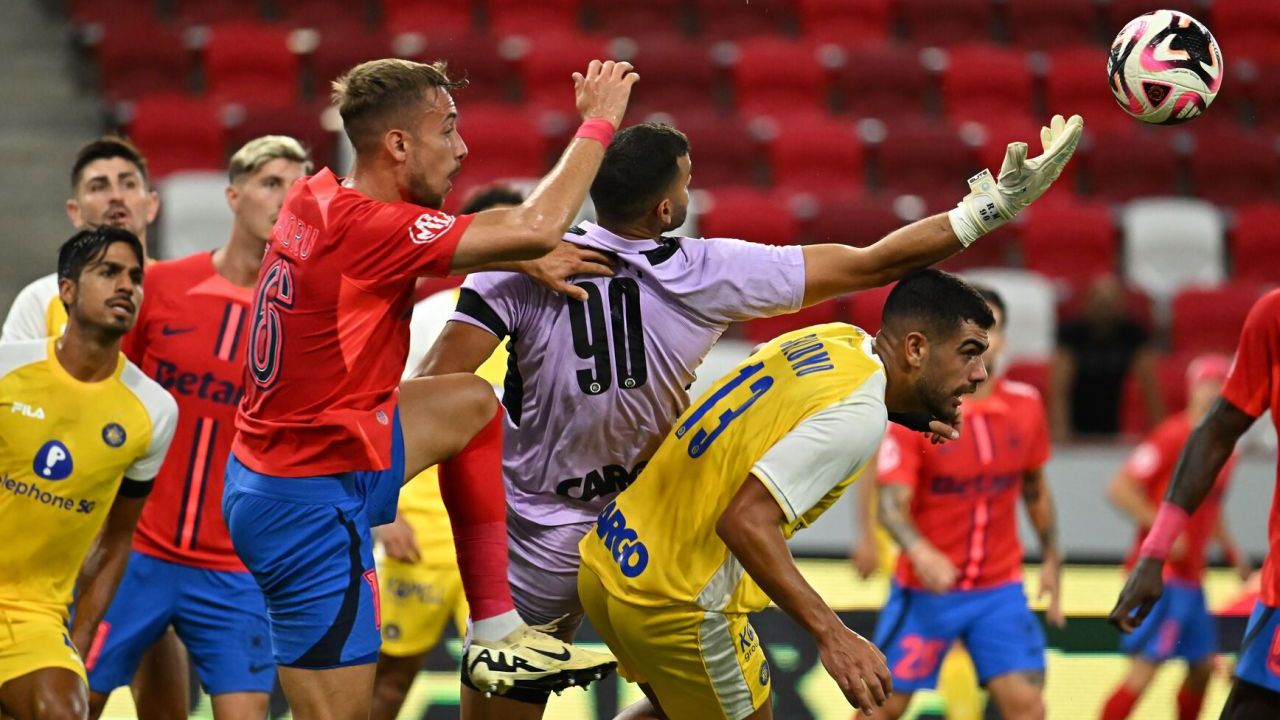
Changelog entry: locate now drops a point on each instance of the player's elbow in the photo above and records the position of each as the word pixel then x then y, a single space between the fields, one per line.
pixel 731 528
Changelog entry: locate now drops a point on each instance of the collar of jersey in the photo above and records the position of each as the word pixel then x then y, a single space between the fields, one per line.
pixel 609 241
pixel 55 366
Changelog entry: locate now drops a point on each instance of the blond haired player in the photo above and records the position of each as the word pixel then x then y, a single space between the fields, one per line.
pixel 698 541
pixel 82 434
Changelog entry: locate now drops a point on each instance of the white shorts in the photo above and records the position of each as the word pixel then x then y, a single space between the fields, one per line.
pixel 543 570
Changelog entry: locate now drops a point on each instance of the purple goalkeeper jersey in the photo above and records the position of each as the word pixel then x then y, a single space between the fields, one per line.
pixel 593 387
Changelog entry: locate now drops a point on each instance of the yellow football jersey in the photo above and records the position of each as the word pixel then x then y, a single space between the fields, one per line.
pixel 37 313
pixel 656 544
pixel 64 447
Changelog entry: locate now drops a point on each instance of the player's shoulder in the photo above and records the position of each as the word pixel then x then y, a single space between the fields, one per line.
pixel 45 286
pixel 1019 391
pixel 159 404
pixel 1266 309
pixel 182 271
pixel 18 354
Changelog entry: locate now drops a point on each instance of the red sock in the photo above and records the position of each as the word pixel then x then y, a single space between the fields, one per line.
pixel 471 485
pixel 1189 702
pixel 1120 704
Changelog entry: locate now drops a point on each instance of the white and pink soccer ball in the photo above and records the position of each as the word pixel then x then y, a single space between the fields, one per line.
pixel 1165 67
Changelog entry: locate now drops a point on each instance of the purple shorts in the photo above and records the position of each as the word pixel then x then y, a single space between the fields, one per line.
pixel 543 570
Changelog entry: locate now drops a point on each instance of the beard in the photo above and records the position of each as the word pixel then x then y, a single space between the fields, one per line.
pixel 421 193
pixel 939 400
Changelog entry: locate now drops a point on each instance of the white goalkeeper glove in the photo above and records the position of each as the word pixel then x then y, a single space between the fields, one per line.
pixel 992 203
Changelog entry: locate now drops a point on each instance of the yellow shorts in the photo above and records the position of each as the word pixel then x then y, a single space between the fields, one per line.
pixel 699 664
pixel 33 640
pixel 417 601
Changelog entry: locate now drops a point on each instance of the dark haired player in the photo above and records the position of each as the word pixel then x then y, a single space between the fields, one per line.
pixel 953 510
pixel 594 386
pixel 677 560
pixel 82 434
pixel 1252 388
pixel 109 186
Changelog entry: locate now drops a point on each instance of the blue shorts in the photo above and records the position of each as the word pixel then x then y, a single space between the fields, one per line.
pixel 917 627
pixel 1260 651
pixel 308 543
pixel 219 615
pixel 1179 626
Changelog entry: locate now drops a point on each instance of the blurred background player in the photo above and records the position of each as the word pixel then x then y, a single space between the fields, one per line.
pixel 1252 388
pixel 190 337
pixel 109 186
pixel 588 412
pixel 421 586
pixel 699 540
pixel 1180 625
pixel 327 432
pixel 953 509
pixel 82 434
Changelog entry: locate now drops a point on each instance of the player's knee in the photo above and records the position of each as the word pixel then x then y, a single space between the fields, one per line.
pixel 1025 705
pixel 53 705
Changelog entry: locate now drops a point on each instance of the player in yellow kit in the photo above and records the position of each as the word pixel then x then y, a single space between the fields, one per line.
pixel 82 434
pixel 699 540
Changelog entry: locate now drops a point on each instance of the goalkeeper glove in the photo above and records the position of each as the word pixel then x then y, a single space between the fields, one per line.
pixel 991 203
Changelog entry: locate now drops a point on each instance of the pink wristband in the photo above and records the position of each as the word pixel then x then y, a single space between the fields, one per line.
pixel 1170 521
pixel 597 129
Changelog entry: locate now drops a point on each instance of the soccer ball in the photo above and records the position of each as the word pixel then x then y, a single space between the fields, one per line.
pixel 1164 67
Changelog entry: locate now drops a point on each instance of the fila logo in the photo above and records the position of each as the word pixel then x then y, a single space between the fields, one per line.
pixel 430 226
pixel 31 411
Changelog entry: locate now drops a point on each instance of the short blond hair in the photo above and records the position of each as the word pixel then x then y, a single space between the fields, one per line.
pixel 373 93
pixel 262 150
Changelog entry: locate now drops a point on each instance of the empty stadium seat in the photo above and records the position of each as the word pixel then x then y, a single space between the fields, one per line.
pixel 883 81
pixel 1067 240
pixel 1210 319
pixel 864 307
pixel 1116 13
pixel 194 216
pixel 1263 92
pixel 766 329
pixel 1125 165
pixel 251 63
pixel 1031 325
pixel 141 58
pixel 815 153
pixel 500 144
pixel 96 12
pixel 1076 84
pixel 847 22
pixel 434 18
pixel 178 133
pixel 775 75
pixel 1169 244
pixel 926 158
pixel 534 19
pixel 983 81
pixel 301 123
pixel 637 18
pixel 1255 250
pixel 722 149
pixel 748 214
pixel 678 75
pixel 1030 372
pixel 546 70
pixel 721 19
pixel 339 51
pixel 1248 27
pixel 945 22
pixel 476 57
pixel 323 14
pixel 855 219
pixel 1043 24
pixel 205 12
pixel 1233 167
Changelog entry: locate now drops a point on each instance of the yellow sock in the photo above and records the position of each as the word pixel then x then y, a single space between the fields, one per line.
pixel 958 686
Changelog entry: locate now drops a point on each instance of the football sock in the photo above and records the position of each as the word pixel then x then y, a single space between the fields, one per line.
pixel 1189 702
pixel 1120 704
pixel 471 486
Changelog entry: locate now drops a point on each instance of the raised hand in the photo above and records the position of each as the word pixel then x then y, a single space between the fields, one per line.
pixel 605 89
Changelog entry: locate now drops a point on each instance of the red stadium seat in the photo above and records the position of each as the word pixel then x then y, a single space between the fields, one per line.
pixel 946 22
pixel 87 12
pixel 546 71
pixel 434 18
pixel 883 81
pixel 1248 27
pixel 1171 377
pixel 774 75
pixel 856 219
pixel 865 307
pixel 178 133
pixel 925 158
pixel 748 214
pixel 983 81
pixel 637 18
pixel 1117 13
pixel 206 12
pixel 302 124
pixel 722 150
pixel 1210 319
pixel 1253 243
pixel 534 19
pixel 1043 24
pixel 323 14
pixel 1234 167
pixel 721 19
pixel 473 56
pixel 339 51
pixel 847 22
pixel 1264 95
pixel 1031 372
pixel 815 153
pixel 1068 240
pixel 1077 85
pixel 139 59
pixel 251 63
pixel 766 329
pixel 1123 166
pixel 500 144
pixel 678 75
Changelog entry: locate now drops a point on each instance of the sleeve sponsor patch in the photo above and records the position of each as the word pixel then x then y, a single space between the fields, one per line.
pixel 430 226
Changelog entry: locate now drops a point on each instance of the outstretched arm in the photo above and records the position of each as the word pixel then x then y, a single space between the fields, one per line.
pixel 104 566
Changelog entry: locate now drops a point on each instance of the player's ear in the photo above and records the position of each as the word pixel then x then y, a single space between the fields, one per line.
pixel 67 291
pixel 153 208
pixel 232 194
pixel 396 144
pixel 664 211
pixel 915 349
pixel 73 212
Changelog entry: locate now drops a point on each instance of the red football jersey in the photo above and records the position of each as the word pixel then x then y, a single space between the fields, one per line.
pixel 1254 387
pixel 190 338
pixel 965 492
pixel 329 331
pixel 1151 464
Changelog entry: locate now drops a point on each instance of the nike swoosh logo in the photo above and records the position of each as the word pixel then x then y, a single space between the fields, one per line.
pixel 561 656
pixel 166 330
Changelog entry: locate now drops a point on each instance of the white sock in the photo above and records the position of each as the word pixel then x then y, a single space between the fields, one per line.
pixel 497 627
